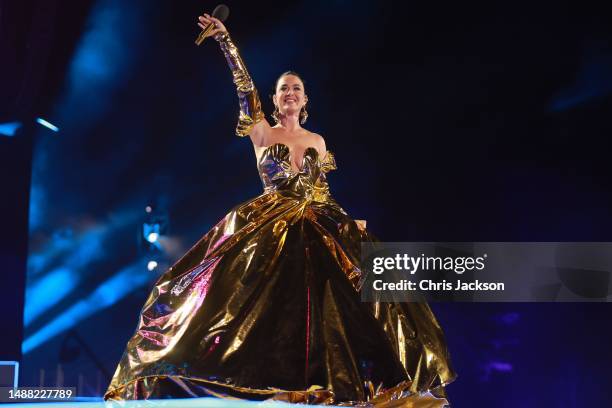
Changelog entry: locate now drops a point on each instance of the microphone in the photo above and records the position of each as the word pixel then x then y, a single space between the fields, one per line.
pixel 221 12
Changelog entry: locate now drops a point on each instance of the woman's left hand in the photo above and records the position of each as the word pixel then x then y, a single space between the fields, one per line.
pixel 205 20
pixel 361 224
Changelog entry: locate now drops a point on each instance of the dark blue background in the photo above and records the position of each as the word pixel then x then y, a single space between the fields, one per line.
pixel 467 122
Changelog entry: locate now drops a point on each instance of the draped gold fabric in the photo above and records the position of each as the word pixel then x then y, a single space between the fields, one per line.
pixel 266 305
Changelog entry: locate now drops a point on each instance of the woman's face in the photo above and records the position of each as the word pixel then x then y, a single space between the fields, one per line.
pixel 290 96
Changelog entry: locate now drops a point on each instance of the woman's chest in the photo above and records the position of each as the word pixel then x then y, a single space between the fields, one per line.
pixel 292 151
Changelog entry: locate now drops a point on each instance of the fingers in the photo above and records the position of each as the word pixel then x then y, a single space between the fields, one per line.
pixel 205 20
pixel 211 32
pixel 207 17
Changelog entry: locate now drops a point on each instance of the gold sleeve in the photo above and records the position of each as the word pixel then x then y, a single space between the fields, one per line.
pixel 250 105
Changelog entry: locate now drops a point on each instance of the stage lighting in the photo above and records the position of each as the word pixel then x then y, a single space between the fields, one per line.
pixel 128 279
pixel 154 228
pixel 47 124
pixel 9 129
pixel 151 265
pixel 151 231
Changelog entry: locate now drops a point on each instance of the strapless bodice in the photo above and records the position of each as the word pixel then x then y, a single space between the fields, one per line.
pixel 309 182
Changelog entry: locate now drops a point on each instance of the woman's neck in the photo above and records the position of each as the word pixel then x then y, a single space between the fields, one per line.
pixel 290 122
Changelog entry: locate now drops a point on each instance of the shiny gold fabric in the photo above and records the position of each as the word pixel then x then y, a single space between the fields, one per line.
pixel 266 305
pixel 250 105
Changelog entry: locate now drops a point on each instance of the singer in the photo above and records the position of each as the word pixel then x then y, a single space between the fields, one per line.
pixel 266 305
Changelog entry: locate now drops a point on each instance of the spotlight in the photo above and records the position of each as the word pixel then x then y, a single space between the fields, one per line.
pixel 47 124
pixel 151 265
pixel 154 228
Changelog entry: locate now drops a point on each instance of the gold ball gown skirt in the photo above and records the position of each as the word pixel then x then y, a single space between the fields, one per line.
pixel 266 305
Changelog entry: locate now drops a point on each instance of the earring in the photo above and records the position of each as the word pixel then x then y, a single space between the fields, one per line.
pixel 276 115
pixel 303 115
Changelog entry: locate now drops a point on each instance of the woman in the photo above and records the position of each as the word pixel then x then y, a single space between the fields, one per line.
pixel 266 305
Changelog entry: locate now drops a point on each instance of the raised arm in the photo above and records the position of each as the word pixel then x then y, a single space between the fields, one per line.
pixel 251 120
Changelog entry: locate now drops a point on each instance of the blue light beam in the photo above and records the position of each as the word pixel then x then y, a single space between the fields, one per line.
pixel 9 129
pixel 77 253
pixel 120 285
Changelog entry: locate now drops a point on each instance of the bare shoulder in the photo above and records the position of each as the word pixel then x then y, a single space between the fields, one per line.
pixel 318 141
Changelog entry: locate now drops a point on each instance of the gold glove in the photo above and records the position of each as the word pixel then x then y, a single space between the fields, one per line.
pixel 250 105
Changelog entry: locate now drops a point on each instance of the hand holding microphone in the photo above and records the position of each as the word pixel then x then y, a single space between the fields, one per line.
pixel 212 25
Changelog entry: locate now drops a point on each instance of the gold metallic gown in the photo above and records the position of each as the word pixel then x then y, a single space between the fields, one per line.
pixel 267 305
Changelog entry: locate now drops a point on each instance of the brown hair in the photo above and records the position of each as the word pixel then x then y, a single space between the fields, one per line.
pixel 285 74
